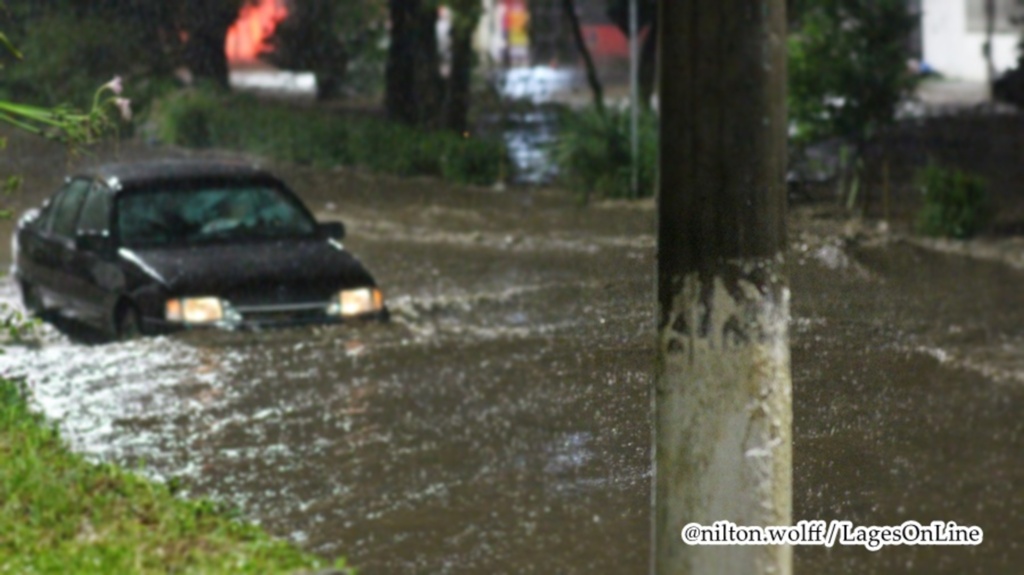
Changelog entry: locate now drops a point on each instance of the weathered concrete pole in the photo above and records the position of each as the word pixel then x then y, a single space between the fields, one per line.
pixel 722 399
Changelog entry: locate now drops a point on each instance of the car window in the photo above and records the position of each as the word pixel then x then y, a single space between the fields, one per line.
pixel 48 208
pixel 66 209
pixel 209 213
pixel 95 216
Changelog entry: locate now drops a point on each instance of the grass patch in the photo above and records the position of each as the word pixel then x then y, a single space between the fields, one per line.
pixel 199 119
pixel 62 514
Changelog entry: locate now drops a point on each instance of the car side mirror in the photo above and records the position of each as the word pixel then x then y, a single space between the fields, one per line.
pixel 333 230
pixel 95 242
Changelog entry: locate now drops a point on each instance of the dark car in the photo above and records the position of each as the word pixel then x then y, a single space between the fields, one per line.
pixel 161 245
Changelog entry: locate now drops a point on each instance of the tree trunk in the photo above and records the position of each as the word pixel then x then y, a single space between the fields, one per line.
pixel 399 98
pixel 205 57
pixel 569 7
pixel 428 84
pixel 206 26
pixel 457 100
pixel 722 382
pixel 307 40
pixel 412 77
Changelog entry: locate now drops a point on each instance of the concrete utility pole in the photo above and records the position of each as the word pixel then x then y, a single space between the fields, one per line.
pixel 723 392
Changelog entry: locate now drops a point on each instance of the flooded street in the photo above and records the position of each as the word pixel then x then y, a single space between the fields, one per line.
pixel 908 374
pixel 500 422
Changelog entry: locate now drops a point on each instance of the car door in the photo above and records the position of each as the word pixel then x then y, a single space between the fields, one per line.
pixel 57 247
pixel 32 253
pixel 92 267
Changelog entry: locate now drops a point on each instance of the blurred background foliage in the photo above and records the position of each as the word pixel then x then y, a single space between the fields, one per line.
pixel 71 47
pixel 848 67
pixel 848 75
pixel 342 43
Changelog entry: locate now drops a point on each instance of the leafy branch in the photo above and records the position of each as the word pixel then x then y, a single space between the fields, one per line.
pixel 69 126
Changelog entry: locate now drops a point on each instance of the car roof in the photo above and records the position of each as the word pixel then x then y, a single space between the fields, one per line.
pixel 119 176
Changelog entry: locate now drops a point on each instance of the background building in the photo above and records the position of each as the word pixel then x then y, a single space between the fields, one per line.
pixel 953 36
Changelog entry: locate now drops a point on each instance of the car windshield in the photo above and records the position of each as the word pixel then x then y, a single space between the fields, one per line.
pixel 204 214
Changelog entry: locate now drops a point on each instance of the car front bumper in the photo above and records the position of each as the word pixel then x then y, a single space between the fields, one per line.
pixel 265 319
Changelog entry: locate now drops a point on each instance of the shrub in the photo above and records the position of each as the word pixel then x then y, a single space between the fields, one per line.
pixel 594 153
pixel 184 118
pixel 473 160
pixel 397 149
pixel 955 203
pixel 198 118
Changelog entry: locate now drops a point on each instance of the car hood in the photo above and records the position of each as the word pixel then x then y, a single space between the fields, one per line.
pixel 227 270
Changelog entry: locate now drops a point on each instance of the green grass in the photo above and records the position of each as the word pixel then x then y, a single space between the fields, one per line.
pixel 60 513
pixel 314 136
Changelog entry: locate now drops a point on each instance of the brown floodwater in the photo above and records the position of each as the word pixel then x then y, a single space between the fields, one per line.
pixel 500 423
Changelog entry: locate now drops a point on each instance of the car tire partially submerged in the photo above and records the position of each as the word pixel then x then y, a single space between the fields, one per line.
pixel 30 299
pixel 129 324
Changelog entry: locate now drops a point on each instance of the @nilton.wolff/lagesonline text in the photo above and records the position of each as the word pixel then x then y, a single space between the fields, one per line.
pixel 829 533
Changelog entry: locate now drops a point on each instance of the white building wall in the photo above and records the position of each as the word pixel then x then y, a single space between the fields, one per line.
pixel 953 51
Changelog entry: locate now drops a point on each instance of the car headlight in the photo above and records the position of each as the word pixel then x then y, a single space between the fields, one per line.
pixel 353 302
pixel 195 310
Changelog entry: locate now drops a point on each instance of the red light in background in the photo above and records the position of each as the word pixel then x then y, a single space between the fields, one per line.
pixel 255 23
